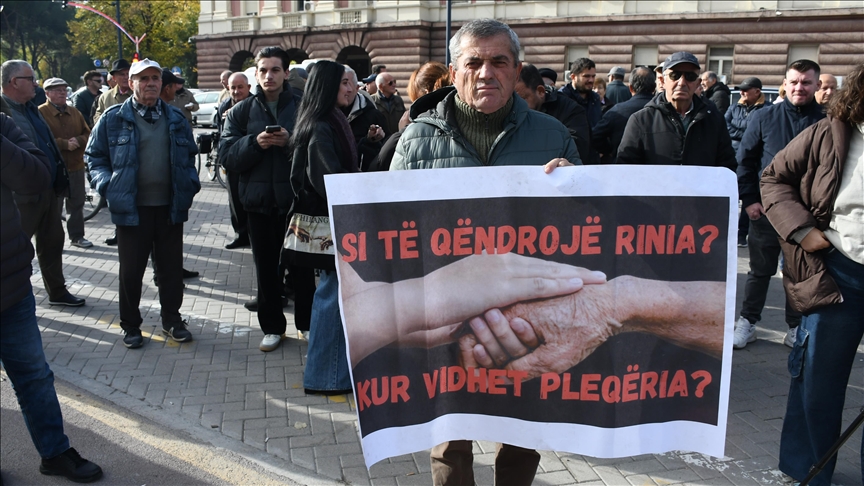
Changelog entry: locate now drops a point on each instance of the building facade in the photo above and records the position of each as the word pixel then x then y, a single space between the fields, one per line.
pixel 735 38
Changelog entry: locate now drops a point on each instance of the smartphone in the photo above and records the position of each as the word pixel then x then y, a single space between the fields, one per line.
pixel 273 128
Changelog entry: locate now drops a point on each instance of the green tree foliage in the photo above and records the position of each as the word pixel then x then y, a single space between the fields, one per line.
pixel 168 24
pixel 34 31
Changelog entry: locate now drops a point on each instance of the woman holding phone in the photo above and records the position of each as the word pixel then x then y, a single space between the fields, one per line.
pixel 323 144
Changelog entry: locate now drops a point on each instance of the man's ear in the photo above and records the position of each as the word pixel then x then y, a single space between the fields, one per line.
pixel 541 91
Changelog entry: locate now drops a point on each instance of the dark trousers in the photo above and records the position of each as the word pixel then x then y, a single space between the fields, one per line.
pixel 266 235
pixel 303 281
pixel 41 218
pixel 764 245
pixel 155 233
pixel 743 223
pixel 239 218
pixel 453 464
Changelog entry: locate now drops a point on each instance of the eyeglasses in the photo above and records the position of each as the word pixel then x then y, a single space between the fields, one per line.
pixel 391 83
pixel 689 76
pixel 31 78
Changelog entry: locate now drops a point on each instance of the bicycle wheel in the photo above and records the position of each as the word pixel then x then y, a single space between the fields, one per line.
pixel 93 202
pixel 198 169
pixel 212 166
pixel 221 176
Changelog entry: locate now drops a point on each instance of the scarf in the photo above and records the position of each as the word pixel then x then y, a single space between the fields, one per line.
pixel 344 137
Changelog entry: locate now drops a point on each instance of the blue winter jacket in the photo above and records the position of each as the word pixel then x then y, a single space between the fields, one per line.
pixel 112 156
pixel 769 131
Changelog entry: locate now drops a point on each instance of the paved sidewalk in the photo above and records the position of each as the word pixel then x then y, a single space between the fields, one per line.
pixel 224 390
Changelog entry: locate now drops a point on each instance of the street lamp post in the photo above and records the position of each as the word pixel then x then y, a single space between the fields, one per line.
pixel 119 34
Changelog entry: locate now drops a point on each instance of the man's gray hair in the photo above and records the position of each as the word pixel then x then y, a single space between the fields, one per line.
pixel 482 29
pixel 711 75
pixel 350 72
pixel 9 69
pixel 381 79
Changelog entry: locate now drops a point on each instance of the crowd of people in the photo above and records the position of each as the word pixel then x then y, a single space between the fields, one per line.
pixel 799 171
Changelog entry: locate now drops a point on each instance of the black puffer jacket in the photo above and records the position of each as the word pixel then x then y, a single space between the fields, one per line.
pixel 738 117
pixel 265 175
pixel 24 169
pixel 655 136
pixel 768 132
pixel 720 95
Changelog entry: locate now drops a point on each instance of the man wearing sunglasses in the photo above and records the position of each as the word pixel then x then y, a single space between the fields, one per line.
pixel 388 102
pixel 676 127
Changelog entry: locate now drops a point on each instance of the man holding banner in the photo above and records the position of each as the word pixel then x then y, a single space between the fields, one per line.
pixel 485 70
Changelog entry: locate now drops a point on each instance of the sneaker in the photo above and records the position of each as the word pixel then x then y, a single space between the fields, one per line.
pixel 177 331
pixel 791 334
pixel 744 333
pixel 71 466
pixel 270 342
pixel 81 243
pixel 66 299
pixel 304 335
pixel 133 339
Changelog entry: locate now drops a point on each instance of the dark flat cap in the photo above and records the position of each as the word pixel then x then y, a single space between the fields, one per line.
pixel 169 78
pixel 548 73
pixel 749 83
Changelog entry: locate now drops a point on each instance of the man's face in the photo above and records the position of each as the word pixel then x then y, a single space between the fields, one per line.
pixel 584 81
pixel 224 80
pixel 801 87
pixel 239 88
pixel 485 74
pixel 57 95
pixel 22 87
pixel 750 95
pixel 681 89
pixel 146 86
pixel 389 85
pixel 707 82
pixel 94 83
pixel 660 87
pixel 829 86
pixel 534 98
pixel 169 90
pixel 270 74
pixel 121 77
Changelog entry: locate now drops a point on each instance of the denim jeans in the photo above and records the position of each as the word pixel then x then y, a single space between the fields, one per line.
pixel 326 357
pixel 764 246
pixel 24 360
pixel 820 364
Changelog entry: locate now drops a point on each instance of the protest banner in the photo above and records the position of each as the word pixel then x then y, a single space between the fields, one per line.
pixel 629 361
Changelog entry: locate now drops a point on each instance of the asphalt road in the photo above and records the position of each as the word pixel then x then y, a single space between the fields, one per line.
pixel 131 449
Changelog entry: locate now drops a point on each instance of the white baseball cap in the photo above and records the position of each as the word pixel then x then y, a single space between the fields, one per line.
pixel 140 66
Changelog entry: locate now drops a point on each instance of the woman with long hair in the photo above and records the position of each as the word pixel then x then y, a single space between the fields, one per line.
pixel 813 193
pixel 323 144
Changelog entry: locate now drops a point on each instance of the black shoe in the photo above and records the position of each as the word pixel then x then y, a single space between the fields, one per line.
pixel 133 339
pixel 177 331
pixel 112 240
pixel 67 299
pixel 71 466
pixel 189 274
pixel 238 243
pixel 252 305
pixel 742 241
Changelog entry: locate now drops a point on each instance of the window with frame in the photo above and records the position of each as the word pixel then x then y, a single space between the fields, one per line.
pixel 720 60
pixel 802 51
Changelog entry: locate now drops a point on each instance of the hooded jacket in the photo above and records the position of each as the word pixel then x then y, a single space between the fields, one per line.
pixel 264 175
pixel 768 132
pixel 720 95
pixel 435 141
pixel 112 154
pixel 655 135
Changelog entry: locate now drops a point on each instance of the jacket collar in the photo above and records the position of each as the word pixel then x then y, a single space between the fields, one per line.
pixel 811 109
pixel 699 107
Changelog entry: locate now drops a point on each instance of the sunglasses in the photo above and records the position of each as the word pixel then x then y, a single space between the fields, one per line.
pixel 391 83
pixel 689 76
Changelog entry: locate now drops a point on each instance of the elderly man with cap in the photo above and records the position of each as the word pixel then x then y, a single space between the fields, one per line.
pixel 616 91
pixel 71 133
pixel 737 118
pixel 676 127
pixel 40 213
pixel 550 77
pixel 119 93
pixel 149 182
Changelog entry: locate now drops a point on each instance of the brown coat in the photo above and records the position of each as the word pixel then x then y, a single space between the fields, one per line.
pixel 799 188
pixel 65 125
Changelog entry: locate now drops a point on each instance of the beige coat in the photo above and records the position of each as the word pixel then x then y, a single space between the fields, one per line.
pixel 65 125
